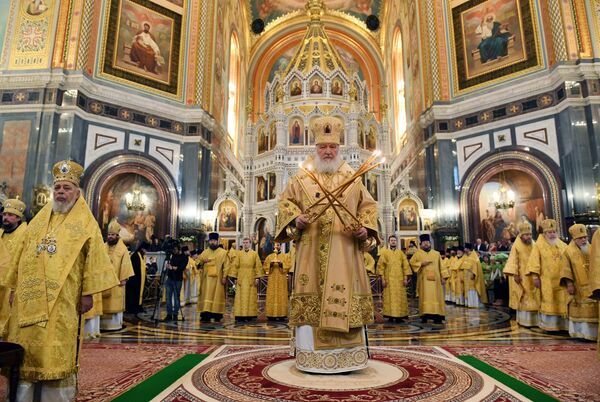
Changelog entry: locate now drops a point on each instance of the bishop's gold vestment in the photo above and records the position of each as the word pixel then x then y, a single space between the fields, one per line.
pixel 247 270
pixel 429 282
pixel 593 289
pixel 113 300
pixel 10 244
pixel 49 283
pixel 523 296
pixel 545 260
pixel 211 297
pixel 580 308
pixel 332 300
pixel 276 268
pixel 393 266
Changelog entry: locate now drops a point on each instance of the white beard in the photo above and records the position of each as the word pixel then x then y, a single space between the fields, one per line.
pixel 585 249
pixel 552 242
pixel 63 207
pixel 331 166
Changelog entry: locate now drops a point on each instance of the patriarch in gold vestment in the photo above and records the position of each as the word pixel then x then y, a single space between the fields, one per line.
pixel 247 273
pixel 475 291
pixel 427 264
pixel 113 300
pixel 395 274
pixel 332 300
pixel 575 276
pixel 63 262
pixel 523 296
pixel 276 268
pixel 214 263
pixel 545 266
pixel 12 235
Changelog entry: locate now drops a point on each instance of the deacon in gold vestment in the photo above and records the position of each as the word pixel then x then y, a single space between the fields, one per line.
pixel 247 272
pixel 332 300
pixel 63 262
pixel 214 262
pixel 276 268
pixel 523 296
pixel 545 265
pixel 12 234
pixel 593 290
pixel 575 275
pixel 427 264
pixel 113 300
pixel 395 274
pixel 475 291
pixel 447 264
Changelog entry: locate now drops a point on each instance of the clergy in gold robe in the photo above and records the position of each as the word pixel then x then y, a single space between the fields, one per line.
pixel 446 266
pixel 12 235
pixel 369 263
pixel 575 276
pixel 275 266
pixel 395 274
pixel 427 264
pixel 332 300
pixel 523 296
pixel 475 291
pixel 62 264
pixel 214 264
pixel 545 266
pixel 457 276
pixel 593 290
pixel 113 300
pixel 247 273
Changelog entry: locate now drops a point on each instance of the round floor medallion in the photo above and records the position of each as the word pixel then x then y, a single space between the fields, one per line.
pixel 270 375
pixel 376 374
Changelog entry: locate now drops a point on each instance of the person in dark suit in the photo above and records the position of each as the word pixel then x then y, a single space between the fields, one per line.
pixel 480 246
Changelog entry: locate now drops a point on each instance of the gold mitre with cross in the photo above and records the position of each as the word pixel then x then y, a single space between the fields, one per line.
pixel 525 228
pixel 14 206
pixel 577 231
pixel 548 225
pixel 67 171
pixel 327 130
pixel 114 227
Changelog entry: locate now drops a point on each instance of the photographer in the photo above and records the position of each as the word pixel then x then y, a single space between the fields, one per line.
pixel 175 268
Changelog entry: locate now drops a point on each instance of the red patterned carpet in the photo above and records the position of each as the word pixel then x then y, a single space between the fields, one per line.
pixel 108 370
pixel 569 372
pixel 394 373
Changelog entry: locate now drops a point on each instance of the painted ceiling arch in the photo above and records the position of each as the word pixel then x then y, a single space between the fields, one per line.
pixel 354 42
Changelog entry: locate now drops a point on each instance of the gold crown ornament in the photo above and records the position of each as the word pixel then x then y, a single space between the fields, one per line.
pixel 524 228
pixel 577 231
pixel 67 171
pixel 549 224
pixel 327 130
pixel 15 206
pixel 114 227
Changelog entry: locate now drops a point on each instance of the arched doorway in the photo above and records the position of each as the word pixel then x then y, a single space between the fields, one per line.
pixel 112 180
pixel 524 179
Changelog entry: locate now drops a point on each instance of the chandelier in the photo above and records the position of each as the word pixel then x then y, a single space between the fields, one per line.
pixel 136 200
pixel 504 198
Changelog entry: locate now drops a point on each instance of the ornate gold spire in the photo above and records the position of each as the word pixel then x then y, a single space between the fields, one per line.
pixel 315 49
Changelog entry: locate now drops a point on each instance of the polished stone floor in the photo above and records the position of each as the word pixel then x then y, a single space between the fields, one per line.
pixel 463 326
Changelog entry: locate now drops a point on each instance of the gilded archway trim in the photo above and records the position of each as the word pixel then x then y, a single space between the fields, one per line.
pixel 538 169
